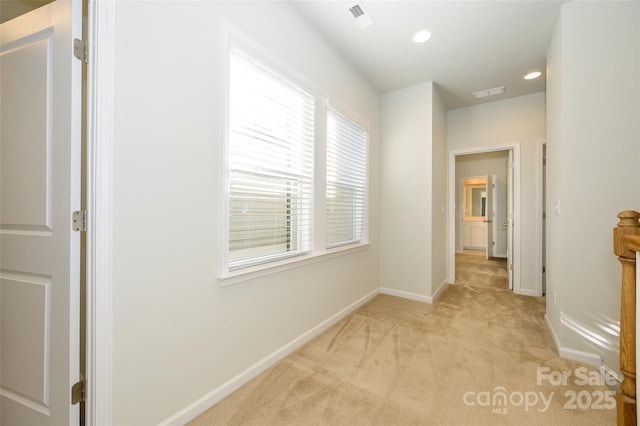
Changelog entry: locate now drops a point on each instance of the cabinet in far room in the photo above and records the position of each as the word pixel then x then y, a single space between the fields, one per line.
pixel 474 234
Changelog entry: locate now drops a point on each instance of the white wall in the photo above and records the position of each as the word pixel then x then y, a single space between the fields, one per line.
pixel 406 190
pixel 489 163
pixel 593 156
pixel 553 188
pixel 520 120
pixel 178 334
pixel 439 163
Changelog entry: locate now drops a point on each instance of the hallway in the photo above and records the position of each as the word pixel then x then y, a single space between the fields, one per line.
pixel 473 269
pixel 470 358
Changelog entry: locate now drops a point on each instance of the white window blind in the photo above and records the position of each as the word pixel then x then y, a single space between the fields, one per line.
pixel 270 165
pixel 346 180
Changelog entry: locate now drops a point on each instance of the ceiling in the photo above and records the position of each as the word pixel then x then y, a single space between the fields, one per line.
pixel 475 45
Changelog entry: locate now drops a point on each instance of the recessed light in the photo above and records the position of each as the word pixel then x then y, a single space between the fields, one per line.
pixel 421 36
pixel 532 75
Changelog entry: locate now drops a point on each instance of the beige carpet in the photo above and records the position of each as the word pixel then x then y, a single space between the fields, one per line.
pixel 471 358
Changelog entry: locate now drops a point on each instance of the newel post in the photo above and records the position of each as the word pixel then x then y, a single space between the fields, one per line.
pixel 626 401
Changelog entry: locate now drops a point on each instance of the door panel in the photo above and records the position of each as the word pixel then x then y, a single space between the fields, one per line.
pixel 490 214
pixel 26 137
pixel 40 99
pixel 25 347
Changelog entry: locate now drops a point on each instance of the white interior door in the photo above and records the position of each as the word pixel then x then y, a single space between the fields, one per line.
pixel 40 97
pixel 490 214
pixel 509 223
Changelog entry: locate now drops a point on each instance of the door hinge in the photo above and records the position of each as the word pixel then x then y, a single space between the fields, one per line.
pixel 511 266
pixel 77 392
pixel 80 50
pixel 80 221
pixel 544 269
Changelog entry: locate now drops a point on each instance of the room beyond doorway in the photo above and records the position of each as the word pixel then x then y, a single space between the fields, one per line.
pixel 481 202
pixel 510 221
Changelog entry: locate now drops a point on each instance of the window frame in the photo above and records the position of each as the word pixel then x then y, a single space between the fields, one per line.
pixel 289 174
pixel 317 250
pixel 364 124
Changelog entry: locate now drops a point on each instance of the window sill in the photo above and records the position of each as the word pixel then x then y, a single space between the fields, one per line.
pixel 258 271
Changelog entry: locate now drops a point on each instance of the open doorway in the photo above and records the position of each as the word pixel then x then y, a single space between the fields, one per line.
pixel 478 207
pixel 505 236
pixel 541 214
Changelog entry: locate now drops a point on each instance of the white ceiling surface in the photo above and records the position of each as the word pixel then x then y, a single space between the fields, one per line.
pixel 475 45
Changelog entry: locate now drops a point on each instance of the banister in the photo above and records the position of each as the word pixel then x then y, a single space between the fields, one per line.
pixel 625 246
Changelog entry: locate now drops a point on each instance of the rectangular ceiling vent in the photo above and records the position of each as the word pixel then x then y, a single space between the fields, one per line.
pixel 489 92
pixel 360 15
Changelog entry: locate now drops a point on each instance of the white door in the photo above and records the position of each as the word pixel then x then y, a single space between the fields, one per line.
pixel 509 223
pixel 40 94
pixel 490 214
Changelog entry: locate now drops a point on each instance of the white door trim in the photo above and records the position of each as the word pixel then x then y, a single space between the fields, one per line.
pixel 100 107
pixel 451 182
pixel 539 202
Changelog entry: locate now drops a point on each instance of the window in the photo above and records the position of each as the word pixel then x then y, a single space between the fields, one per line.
pixel 346 180
pixel 295 171
pixel 270 165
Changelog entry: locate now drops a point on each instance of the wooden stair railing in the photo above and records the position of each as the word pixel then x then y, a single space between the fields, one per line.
pixel 626 242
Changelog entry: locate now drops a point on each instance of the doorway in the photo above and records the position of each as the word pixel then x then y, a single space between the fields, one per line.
pixel 508 223
pixel 541 214
pixel 478 205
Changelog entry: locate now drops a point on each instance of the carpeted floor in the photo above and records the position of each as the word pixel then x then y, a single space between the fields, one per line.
pixel 480 355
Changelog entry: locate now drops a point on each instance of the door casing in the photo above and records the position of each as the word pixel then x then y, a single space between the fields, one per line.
pixel 99 192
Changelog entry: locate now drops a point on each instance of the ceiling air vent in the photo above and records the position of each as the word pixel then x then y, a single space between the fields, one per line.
pixel 360 15
pixel 356 11
pixel 489 92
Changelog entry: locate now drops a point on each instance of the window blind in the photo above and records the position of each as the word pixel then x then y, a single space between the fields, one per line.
pixel 270 164
pixel 346 179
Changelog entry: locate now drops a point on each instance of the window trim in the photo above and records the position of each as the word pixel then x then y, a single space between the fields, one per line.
pixel 318 250
pixel 293 262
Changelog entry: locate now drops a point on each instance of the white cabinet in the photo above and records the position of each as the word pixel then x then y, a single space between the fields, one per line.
pixel 474 234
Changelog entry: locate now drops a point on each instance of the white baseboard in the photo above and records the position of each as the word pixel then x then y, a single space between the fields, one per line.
pixel 216 395
pixel 605 371
pixel 528 292
pixel 405 294
pixel 441 288
pixel 576 355
pixel 554 335
pixel 415 296
pixel 586 357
